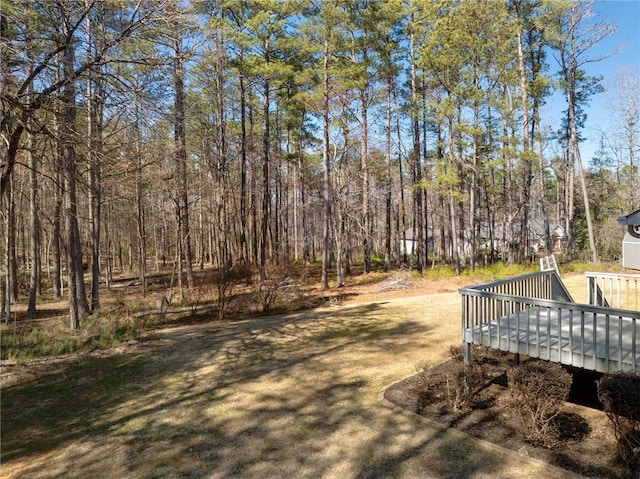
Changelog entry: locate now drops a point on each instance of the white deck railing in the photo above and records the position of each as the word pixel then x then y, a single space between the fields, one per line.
pixel 614 290
pixel 533 314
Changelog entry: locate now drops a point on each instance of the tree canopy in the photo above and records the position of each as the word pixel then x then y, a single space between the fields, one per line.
pixel 149 134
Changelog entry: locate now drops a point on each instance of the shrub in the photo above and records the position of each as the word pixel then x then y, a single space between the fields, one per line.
pixel 619 394
pixel 479 354
pixel 273 287
pixel 537 392
pixel 461 383
pixel 424 372
pixel 225 281
pixel 30 340
pixel 456 352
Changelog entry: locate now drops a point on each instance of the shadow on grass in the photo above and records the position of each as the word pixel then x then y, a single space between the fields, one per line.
pixel 281 396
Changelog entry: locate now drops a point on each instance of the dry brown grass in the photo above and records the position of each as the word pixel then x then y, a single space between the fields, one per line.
pixel 294 395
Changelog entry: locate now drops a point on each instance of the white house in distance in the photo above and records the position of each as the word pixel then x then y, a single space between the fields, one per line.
pixel 494 237
pixel 409 243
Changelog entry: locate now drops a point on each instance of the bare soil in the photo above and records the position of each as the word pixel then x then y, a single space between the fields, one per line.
pixel 586 444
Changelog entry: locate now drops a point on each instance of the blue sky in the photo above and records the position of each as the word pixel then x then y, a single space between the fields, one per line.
pixel 626 15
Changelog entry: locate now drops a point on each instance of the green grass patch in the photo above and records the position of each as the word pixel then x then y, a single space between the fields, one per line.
pixel 435 273
pixel 583 267
pixel 373 277
pixel 31 340
pixel 498 271
pixel 479 274
pixel 41 414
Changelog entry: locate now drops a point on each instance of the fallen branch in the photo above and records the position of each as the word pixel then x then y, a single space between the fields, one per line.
pixel 184 309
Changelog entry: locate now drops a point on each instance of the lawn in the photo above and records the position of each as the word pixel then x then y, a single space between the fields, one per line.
pixel 295 395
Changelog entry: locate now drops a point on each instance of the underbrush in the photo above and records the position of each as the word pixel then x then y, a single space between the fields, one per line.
pixel 582 267
pixel 499 270
pixel 283 289
pixel 479 274
pixel 31 340
pixel 538 390
pixel 620 396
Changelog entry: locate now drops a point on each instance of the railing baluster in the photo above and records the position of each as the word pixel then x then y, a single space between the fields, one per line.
pixel 634 352
pixel 582 326
pixel 490 305
pixel 595 334
pixel 606 342
pixel 479 308
pixel 527 342
pixel 538 332
pixel 549 336
pixel 620 342
pixel 571 336
pixel 560 335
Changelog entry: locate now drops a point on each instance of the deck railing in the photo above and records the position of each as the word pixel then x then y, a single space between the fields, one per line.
pixel 616 290
pixel 594 337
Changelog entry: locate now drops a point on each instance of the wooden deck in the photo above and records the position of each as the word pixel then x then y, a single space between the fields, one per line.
pixel 534 315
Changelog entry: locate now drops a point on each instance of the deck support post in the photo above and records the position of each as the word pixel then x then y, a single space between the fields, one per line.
pixel 516 358
pixel 466 352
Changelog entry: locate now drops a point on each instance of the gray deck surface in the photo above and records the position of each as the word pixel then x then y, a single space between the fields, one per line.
pixel 541 333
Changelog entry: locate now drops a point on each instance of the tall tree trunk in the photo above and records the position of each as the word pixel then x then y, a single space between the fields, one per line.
pixel 12 248
pixel 526 147
pixel 78 305
pixel 9 250
pixel 585 198
pixel 58 186
pixel 569 205
pixel 266 193
pixel 244 248
pixel 34 284
pixel 454 216
pixel 306 251
pixel 474 193
pixel 181 161
pixel 95 108
pixel 424 175
pixel 541 182
pixel 140 214
pixel 253 201
pixel 364 165
pixel 575 150
pixel 401 226
pixel 221 159
pixel 418 239
pixel 387 236
pixel 326 209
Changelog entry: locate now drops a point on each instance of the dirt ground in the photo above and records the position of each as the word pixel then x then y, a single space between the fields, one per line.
pixel 288 395
pixel 586 444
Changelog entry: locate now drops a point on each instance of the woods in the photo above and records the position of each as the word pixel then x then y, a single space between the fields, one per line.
pixel 145 135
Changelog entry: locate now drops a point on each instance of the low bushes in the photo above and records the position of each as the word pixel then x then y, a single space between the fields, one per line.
pixel 537 392
pixel 461 383
pixel 33 339
pixel 458 382
pixel 619 394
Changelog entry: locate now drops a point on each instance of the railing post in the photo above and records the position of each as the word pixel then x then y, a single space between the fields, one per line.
pixel 466 352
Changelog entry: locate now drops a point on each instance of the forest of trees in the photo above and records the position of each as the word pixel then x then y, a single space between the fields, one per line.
pixel 141 134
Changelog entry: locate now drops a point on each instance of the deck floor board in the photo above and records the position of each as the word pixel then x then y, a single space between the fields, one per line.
pixel 568 337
